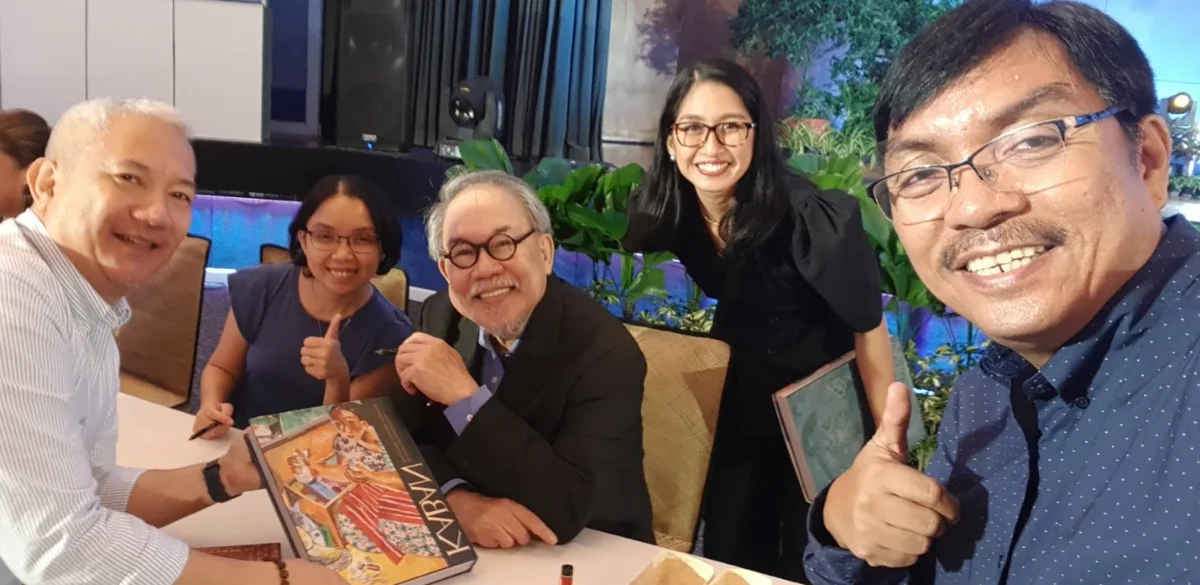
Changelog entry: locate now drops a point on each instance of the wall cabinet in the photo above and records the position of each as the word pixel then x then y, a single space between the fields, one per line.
pixel 207 57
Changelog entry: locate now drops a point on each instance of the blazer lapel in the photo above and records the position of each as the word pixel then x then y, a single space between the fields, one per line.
pixel 467 345
pixel 530 368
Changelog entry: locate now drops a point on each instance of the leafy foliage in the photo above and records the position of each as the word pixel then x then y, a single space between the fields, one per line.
pixel 861 37
pixel 933 379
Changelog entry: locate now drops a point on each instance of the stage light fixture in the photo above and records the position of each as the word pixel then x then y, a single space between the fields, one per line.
pixel 1179 104
pixel 471 109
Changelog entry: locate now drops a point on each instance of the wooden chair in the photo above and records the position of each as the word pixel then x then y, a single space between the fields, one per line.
pixel 393 285
pixel 158 344
pixel 685 376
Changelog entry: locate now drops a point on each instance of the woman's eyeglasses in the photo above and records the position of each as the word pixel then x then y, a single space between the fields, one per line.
pixel 693 134
pixel 360 243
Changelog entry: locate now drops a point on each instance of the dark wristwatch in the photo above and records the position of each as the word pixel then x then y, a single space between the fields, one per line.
pixel 212 479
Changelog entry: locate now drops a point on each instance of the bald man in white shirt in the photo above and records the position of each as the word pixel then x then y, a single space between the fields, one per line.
pixel 112 201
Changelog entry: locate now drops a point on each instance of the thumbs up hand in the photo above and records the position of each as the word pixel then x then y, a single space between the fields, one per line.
pixel 322 356
pixel 881 510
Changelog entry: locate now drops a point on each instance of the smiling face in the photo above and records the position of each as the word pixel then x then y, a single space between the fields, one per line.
pixel 498 295
pixel 712 168
pixel 122 203
pixel 1032 267
pixel 341 245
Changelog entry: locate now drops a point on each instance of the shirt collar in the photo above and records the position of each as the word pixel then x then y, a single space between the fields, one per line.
pixel 81 295
pixel 485 341
pixel 1120 322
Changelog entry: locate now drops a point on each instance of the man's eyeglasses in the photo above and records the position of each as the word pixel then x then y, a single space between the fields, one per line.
pixel 693 134
pixel 1023 160
pixel 500 247
pixel 325 241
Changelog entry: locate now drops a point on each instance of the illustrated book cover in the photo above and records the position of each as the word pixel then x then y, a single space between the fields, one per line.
pixel 826 420
pixel 354 494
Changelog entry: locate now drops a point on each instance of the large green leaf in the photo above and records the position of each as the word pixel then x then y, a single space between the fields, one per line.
pixel 809 164
pixel 581 183
pixel 612 226
pixel 649 282
pixel 653 259
pixel 485 155
pixel 549 171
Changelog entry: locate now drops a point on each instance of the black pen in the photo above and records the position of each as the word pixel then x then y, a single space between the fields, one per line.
pixel 210 427
pixel 385 351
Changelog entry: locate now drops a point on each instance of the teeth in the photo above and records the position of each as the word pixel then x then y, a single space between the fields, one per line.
pixel 712 167
pixel 1005 261
pixel 341 273
pixel 493 293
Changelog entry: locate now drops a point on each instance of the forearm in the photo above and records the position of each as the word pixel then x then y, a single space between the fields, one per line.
pixel 215 385
pixel 337 391
pixel 873 352
pixel 525 468
pixel 163 496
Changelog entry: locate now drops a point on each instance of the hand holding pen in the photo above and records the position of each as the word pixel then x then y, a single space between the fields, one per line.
pixel 212 421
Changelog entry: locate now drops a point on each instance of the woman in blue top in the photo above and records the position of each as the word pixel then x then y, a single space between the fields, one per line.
pixel 305 334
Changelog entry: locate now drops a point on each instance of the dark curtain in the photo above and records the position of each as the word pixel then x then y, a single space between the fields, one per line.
pixel 549 56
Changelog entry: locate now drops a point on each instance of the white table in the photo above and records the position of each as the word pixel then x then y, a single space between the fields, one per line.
pixel 153 437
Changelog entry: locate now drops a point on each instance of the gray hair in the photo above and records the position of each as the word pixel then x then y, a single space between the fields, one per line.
pixel 435 218
pixel 94 117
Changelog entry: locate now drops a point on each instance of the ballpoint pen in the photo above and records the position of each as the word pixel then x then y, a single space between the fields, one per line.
pixel 385 351
pixel 210 427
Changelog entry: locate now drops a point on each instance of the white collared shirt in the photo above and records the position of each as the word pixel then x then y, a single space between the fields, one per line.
pixel 62 496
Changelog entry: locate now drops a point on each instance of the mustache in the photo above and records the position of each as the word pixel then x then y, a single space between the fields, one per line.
pixel 1009 233
pixel 491 284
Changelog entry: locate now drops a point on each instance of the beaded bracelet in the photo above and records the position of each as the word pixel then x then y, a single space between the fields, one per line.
pixel 283 573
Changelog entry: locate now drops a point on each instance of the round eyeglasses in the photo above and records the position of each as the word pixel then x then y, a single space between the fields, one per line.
pixel 1025 160
pixel 500 247
pixel 325 241
pixel 693 134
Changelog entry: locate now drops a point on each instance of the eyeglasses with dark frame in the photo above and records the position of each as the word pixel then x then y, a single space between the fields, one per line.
pixel 500 247
pixel 1014 160
pixel 325 240
pixel 693 134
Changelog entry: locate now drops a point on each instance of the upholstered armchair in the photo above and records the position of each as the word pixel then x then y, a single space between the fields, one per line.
pixel 685 375
pixel 393 285
pixel 158 344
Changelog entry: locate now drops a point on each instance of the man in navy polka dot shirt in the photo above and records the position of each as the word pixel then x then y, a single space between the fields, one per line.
pixel 1025 169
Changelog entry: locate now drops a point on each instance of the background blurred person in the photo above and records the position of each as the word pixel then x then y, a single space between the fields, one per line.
pixel 23 138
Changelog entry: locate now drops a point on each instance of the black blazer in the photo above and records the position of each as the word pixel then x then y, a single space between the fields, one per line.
pixel 563 434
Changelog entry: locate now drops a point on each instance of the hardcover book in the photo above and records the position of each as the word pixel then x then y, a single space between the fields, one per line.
pixel 354 494
pixel 826 420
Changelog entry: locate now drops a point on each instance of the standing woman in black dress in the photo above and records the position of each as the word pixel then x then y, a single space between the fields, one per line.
pixel 797 285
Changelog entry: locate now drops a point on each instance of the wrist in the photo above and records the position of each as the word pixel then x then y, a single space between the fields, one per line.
pixel 224 471
pixel 463 391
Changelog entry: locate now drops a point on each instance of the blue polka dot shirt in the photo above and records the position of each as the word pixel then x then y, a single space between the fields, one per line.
pixel 1082 473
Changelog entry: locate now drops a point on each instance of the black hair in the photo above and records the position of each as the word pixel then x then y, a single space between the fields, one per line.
pixel 1103 52
pixel 386 226
pixel 760 202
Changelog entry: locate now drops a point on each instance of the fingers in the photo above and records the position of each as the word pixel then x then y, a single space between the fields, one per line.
pixel 910 520
pixel 215 434
pixel 518 534
pixel 892 433
pixel 533 523
pixel 924 491
pixel 334 327
pixel 406 380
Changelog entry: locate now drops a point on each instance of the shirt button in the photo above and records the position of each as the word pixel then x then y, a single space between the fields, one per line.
pixel 469 417
pixel 495 379
pixel 1082 402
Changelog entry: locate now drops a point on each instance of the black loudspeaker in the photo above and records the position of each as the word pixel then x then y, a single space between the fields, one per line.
pixel 368 86
pixel 471 109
